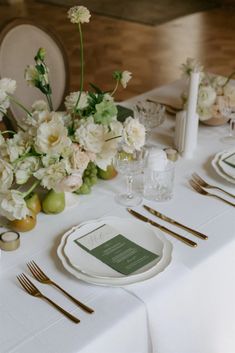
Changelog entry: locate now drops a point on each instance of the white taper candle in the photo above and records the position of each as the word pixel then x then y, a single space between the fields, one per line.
pixel 191 128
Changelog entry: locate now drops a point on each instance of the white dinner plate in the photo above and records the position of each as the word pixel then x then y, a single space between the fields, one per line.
pixel 115 279
pixel 227 169
pixel 218 169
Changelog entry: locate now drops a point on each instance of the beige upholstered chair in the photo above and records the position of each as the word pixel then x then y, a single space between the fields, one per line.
pixel 19 41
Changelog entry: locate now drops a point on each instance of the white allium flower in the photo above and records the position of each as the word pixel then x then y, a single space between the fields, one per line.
pixel 79 14
pixel 206 96
pixel 31 75
pixel 126 76
pixel 133 135
pixel 52 138
pixel 70 183
pixel 229 91
pixel 6 175
pixel 90 136
pixel 18 145
pixel 39 106
pixel 25 168
pixel 13 205
pixel 52 175
pixel 8 85
pixel 71 100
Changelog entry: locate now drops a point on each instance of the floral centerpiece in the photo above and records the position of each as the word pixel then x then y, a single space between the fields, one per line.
pixel 59 151
pixel 214 95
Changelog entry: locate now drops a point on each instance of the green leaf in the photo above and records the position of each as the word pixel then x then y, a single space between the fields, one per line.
pixel 95 88
pixel 40 69
pixel 124 113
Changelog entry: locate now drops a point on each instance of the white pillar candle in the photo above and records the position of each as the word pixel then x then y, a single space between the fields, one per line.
pixel 191 128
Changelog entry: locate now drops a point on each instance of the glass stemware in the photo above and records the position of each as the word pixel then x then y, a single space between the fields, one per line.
pixel 228 111
pixel 150 114
pixel 130 165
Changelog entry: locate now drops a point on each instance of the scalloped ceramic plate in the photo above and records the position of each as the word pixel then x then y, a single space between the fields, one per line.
pixel 217 167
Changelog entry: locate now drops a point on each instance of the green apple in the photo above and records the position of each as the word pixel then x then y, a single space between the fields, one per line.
pixel 33 203
pixel 54 202
pixel 107 174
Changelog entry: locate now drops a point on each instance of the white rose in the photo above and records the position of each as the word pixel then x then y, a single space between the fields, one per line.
pixel 133 135
pixel 126 76
pixel 70 183
pixel 229 91
pixel 25 168
pixel 52 175
pixel 79 14
pixel 8 85
pixel 206 96
pixel 79 159
pixel 13 205
pixel 71 100
pixel 6 175
pixel 90 136
pixel 204 113
pixel 51 138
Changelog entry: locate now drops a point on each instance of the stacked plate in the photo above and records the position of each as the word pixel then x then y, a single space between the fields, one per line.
pixel 222 165
pixel 86 267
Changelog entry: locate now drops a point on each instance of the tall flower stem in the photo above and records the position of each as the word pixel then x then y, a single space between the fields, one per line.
pixel 82 65
pixel 115 88
pixel 19 104
pixel 28 192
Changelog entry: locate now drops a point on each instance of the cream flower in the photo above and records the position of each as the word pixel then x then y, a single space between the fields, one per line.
pixel 191 65
pixel 6 175
pixel 70 183
pixel 126 76
pixel 52 175
pixel 52 138
pixel 79 159
pixel 18 145
pixel 39 106
pixel 25 168
pixel 79 14
pixel 8 85
pixel 133 135
pixel 13 205
pixel 90 136
pixel 206 96
pixel 31 75
pixel 4 103
pixel 71 100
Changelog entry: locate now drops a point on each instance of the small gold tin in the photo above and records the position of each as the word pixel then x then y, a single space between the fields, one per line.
pixel 9 240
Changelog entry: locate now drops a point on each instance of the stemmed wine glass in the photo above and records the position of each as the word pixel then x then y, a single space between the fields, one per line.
pixel 130 165
pixel 151 114
pixel 228 111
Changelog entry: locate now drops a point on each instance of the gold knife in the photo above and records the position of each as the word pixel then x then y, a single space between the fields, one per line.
pixel 164 229
pixel 172 221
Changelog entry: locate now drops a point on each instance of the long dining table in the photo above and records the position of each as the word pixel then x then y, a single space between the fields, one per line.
pixel 187 308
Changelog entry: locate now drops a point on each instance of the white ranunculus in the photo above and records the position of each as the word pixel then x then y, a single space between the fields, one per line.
pixel 6 175
pixel 71 100
pixel 18 145
pixel 13 205
pixel 126 76
pixel 70 183
pixel 90 136
pixel 52 175
pixel 39 106
pixel 31 75
pixel 52 138
pixel 206 97
pixel 25 168
pixel 8 85
pixel 79 14
pixel 204 113
pixel 229 91
pixel 133 135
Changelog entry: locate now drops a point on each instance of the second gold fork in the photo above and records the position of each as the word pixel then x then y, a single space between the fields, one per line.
pixel 43 278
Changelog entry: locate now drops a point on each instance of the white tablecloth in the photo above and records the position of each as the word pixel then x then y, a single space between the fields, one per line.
pixel 188 308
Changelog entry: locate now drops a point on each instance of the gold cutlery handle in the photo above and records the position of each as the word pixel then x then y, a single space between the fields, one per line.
pixel 66 313
pixel 193 231
pixel 221 198
pixel 76 301
pixel 175 235
pixel 224 191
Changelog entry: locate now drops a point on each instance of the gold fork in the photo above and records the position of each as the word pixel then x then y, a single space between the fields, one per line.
pixel 202 191
pixel 204 184
pixel 35 292
pixel 43 278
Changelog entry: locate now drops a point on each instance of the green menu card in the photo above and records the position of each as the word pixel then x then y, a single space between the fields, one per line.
pixel 115 250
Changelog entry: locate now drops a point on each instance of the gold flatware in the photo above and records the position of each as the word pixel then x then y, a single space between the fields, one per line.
pixel 204 184
pixel 164 229
pixel 43 278
pixel 176 223
pixel 202 191
pixel 35 292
